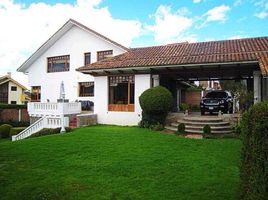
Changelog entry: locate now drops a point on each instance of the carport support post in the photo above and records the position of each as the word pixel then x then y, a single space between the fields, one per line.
pixel 265 88
pixel 155 80
pixel 257 86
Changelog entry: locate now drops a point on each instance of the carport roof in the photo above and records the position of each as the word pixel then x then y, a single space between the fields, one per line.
pixel 179 54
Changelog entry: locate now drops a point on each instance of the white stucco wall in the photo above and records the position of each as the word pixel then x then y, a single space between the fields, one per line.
pixel 14 95
pixel 75 43
pixel 142 82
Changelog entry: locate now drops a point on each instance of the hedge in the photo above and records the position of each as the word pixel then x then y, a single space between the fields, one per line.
pixel 254 154
pixel 14 106
pixel 16 124
pixel 16 130
pixel 49 131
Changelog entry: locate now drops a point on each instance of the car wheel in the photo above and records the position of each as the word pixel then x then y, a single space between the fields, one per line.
pixel 202 113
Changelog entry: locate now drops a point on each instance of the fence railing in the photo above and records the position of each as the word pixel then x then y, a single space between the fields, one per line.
pixel 44 122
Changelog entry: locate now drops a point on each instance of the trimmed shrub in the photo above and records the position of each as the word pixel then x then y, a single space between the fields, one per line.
pixel 157 127
pixel 4 130
pixel 155 103
pixel 16 130
pixel 181 128
pixel 207 130
pixel 254 154
pixel 184 106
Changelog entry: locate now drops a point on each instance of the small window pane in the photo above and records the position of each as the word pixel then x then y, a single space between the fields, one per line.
pixel 103 54
pixel 87 58
pixel 86 89
pixel 58 63
pixel 13 88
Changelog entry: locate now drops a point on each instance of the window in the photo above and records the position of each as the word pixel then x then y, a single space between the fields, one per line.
pixel 121 93
pixel 13 88
pixel 36 94
pixel 86 89
pixel 87 58
pixel 13 102
pixel 58 64
pixel 103 54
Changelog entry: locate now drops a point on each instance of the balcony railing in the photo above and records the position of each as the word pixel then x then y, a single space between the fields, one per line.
pixel 53 109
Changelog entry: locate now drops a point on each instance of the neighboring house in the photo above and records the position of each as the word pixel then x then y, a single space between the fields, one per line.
pixel 119 81
pixel 11 91
pixel 72 46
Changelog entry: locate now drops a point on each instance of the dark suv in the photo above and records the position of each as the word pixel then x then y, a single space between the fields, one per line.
pixel 217 100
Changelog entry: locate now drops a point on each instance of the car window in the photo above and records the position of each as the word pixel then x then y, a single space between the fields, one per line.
pixel 216 95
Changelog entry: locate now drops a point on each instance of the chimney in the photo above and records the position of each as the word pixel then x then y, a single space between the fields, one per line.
pixel 9 74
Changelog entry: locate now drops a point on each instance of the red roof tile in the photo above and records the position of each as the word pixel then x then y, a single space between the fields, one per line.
pixel 240 50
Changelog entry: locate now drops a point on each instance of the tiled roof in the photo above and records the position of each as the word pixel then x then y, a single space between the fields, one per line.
pixel 239 50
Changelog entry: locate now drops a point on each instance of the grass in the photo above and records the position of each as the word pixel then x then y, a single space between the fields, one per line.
pixel 110 162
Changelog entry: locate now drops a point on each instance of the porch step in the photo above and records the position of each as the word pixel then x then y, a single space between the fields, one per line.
pixel 73 123
pixel 203 119
pixel 203 123
pixel 196 124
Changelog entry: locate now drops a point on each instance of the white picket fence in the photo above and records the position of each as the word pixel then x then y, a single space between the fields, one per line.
pixel 43 122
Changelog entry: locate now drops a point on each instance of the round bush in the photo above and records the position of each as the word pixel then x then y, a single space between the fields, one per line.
pixel 254 153
pixel 181 128
pixel 155 103
pixel 207 129
pixel 4 130
pixel 156 100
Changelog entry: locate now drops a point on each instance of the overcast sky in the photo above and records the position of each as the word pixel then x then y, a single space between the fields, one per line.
pixel 27 24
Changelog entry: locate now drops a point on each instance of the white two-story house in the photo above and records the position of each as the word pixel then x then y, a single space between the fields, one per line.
pixel 72 46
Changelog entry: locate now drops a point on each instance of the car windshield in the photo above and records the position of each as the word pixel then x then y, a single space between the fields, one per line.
pixel 217 95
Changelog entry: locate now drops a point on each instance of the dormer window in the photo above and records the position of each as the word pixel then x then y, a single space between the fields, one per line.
pixel 58 64
pixel 104 54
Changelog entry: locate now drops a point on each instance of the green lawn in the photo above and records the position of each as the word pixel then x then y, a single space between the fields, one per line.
pixel 109 162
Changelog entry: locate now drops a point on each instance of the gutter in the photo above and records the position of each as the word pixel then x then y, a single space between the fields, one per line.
pixel 163 66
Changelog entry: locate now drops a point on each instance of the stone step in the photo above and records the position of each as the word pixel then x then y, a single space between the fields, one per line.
pixel 203 119
pixel 212 131
pixel 172 128
pixel 197 126
pixel 203 123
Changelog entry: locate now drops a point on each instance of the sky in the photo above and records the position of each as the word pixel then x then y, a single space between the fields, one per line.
pixel 26 24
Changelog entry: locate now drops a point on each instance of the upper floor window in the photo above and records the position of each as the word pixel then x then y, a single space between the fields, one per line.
pixel 13 88
pixel 87 58
pixel 86 89
pixel 103 54
pixel 58 63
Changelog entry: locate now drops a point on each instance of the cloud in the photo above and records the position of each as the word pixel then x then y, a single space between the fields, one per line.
pixel 24 29
pixel 197 1
pixel 262 7
pixel 216 14
pixel 234 37
pixel 261 15
pixel 171 26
